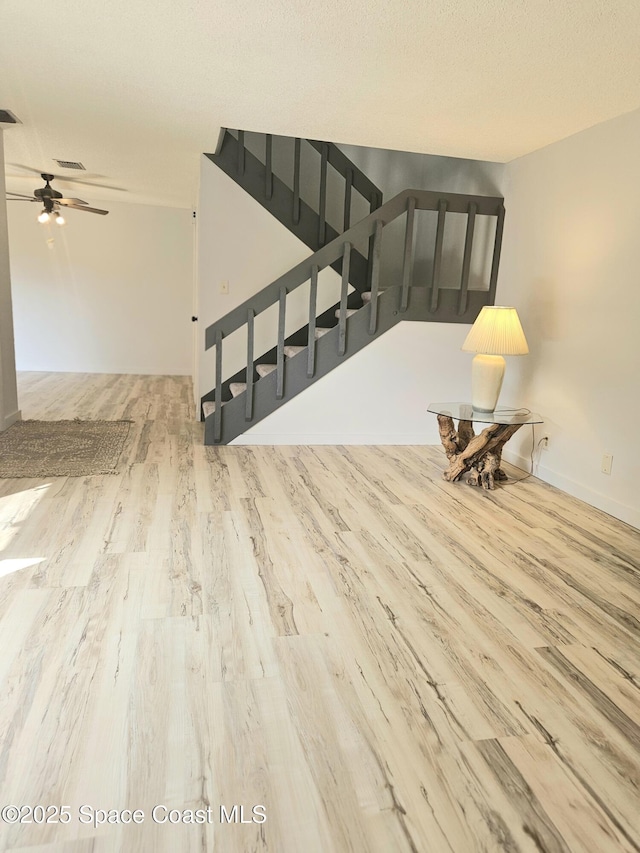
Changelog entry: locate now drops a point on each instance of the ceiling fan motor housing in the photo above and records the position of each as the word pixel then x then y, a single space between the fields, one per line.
pixel 47 191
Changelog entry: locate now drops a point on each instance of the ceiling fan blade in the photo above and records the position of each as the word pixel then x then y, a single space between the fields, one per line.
pixel 27 168
pixel 69 201
pixel 23 199
pixel 20 195
pixel 70 179
pixel 86 209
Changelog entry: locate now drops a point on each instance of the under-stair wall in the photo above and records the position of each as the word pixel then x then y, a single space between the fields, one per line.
pixel 379 396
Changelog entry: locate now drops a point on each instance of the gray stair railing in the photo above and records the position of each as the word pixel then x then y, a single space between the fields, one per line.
pixel 354 178
pixel 339 250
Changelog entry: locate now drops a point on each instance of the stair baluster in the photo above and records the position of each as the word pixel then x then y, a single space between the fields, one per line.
pixel 495 263
pixel 373 205
pixel 407 261
pixel 296 182
pixel 248 412
pixel 344 287
pixel 311 338
pixel 348 178
pixel 322 202
pixel 217 413
pixel 375 277
pixel 282 307
pixel 437 256
pixel 466 260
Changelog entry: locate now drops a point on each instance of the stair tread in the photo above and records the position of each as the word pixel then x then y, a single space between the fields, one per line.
pixel 237 388
pixel 350 311
pixel 265 369
pixel 290 351
pixel 320 332
pixel 208 408
pixel 366 296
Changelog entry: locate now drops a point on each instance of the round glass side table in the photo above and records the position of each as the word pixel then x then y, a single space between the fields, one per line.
pixel 480 455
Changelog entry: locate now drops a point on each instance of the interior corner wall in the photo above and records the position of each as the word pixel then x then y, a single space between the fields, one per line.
pixel 9 411
pixel 570 265
pixel 394 171
pixel 103 294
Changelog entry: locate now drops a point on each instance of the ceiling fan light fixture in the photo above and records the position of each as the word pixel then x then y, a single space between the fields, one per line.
pixel 60 220
pixel 44 217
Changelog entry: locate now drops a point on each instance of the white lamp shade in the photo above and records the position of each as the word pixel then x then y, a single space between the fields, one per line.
pixel 496 331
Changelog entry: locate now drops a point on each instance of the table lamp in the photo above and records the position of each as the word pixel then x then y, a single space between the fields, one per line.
pixel 495 333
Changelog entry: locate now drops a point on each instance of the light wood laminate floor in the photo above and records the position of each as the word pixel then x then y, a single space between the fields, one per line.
pixel 384 661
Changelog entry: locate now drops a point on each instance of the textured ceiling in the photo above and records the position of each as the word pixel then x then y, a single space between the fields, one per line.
pixel 137 90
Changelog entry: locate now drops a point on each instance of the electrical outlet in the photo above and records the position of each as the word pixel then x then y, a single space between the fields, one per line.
pixel 224 287
pixel 607 462
pixel 544 442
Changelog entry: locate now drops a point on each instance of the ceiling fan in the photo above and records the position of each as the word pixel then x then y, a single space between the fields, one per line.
pixel 52 200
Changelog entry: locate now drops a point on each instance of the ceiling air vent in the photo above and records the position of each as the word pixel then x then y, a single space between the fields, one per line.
pixel 7 117
pixel 70 164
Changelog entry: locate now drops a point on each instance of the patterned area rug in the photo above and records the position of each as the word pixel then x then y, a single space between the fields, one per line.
pixel 62 448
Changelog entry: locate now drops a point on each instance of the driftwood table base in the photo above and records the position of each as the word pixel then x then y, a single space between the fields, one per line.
pixel 480 455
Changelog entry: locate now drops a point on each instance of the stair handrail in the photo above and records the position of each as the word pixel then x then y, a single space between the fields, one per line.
pixel 400 204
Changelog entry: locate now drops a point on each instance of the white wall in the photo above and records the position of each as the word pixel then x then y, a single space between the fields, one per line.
pixel 9 412
pixel 110 294
pixel 571 265
pixel 380 395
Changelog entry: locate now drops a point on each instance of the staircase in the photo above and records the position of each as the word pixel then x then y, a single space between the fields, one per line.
pixel 368 307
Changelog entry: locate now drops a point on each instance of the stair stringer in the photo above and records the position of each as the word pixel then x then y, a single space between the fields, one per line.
pixel 234 422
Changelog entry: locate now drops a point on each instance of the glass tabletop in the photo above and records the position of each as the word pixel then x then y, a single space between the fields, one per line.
pixel 502 414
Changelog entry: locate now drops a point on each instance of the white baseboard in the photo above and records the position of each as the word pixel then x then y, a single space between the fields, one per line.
pixel 8 420
pixel 625 513
pixel 122 371
pixel 324 438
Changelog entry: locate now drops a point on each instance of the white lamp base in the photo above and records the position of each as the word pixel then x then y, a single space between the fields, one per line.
pixel 487 373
